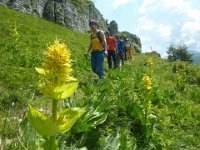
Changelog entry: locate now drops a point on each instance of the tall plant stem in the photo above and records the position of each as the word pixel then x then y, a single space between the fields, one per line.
pixel 146 110
pixel 54 117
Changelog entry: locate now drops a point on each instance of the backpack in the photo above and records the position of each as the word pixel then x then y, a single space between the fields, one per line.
pixel 99 37
pixel 120 45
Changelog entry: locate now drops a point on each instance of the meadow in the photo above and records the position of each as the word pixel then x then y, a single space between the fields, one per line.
pixel 150 103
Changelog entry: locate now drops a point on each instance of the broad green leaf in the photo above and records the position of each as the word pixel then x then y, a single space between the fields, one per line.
pixel 71 115
pixel 127 142
pixel 112 142
pixel 45 126
pixel 89 120
pixel 65 91
pixel 59 92
pixel 137 113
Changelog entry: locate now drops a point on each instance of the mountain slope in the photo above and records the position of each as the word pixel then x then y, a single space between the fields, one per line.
pixel 23 56
pixel 170 101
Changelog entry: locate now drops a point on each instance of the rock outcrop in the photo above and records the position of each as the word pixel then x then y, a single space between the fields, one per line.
pixel 71 13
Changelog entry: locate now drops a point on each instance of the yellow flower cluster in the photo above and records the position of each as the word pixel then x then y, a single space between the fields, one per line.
pixel 178 77
pixel 56 72
pixel 57 61
pixel 15 32
pixel 150 61
pixel 147 82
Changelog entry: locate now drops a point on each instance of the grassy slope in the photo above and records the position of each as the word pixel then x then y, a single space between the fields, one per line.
pixel 178 114
pixel 18 62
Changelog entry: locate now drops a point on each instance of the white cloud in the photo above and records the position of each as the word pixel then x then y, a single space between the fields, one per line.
pixel 167 21
pixel 177 4
pixel 190 28
pixel 183 6
pixel 118 3
pixel 164 31
pixel 161 30
pixel 164 55
pixel 195 26
pixel 190 42
pixel 158 23
pixel 145 24
pixel 194 14
pixel 147 4
pixel 190 32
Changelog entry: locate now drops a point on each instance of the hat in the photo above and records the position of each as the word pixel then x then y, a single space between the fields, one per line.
pixel 93 22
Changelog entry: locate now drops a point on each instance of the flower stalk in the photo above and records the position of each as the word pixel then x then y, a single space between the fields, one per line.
pixel 147 90
pixel 54 117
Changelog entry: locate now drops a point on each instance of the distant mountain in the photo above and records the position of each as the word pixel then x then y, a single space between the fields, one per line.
pixel 193 52
pixel 196 58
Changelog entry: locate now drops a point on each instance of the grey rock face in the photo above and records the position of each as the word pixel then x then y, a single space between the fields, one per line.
pixel 63 12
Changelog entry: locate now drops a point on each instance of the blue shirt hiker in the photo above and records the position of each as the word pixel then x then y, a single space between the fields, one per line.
pixel 120 51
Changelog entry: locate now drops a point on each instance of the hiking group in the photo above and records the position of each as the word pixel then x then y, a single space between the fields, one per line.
pixel 103 44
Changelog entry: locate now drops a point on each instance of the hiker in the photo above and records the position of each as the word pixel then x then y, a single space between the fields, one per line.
pixel 125 51
pixel 120 51
pixel 112 46
pixel 128 49
pixel 98 48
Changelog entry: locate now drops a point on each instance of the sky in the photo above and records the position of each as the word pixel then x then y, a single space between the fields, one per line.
pixel 158 23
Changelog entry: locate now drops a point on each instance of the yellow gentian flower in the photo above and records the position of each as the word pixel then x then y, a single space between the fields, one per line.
pixel 57 61
pixel 150 61
pixel 147 82
pixel 56 72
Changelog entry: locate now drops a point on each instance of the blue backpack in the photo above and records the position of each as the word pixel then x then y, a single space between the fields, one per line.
pixel 120 45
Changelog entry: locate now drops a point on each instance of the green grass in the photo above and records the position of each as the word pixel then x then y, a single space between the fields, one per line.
pixel 119 96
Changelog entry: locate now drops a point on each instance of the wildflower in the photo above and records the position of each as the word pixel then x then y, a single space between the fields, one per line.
pixel 15 32
pixel 57 65
pixel 149 105
pixel 57 61
pixel 56 71
pixel 178 77
pixel 150 61
pixel 147 82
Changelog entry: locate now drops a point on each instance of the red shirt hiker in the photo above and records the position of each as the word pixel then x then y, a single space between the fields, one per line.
pixel 112 46
pixel 111 41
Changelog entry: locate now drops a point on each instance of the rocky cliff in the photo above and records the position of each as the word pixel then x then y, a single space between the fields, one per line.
pixel 71 13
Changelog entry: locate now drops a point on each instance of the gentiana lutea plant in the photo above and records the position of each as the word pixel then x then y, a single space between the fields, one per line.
pixel 147 88
pixel 146 92
pixel 15 33
pixel 57 84
pixel 148 120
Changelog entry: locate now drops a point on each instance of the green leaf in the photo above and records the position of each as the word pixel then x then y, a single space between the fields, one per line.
pixel 40 70
pixel 45 126
pixel 71 115
pixel 112 142
pixel 90 120
pixel 65 91
pixel 137 113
